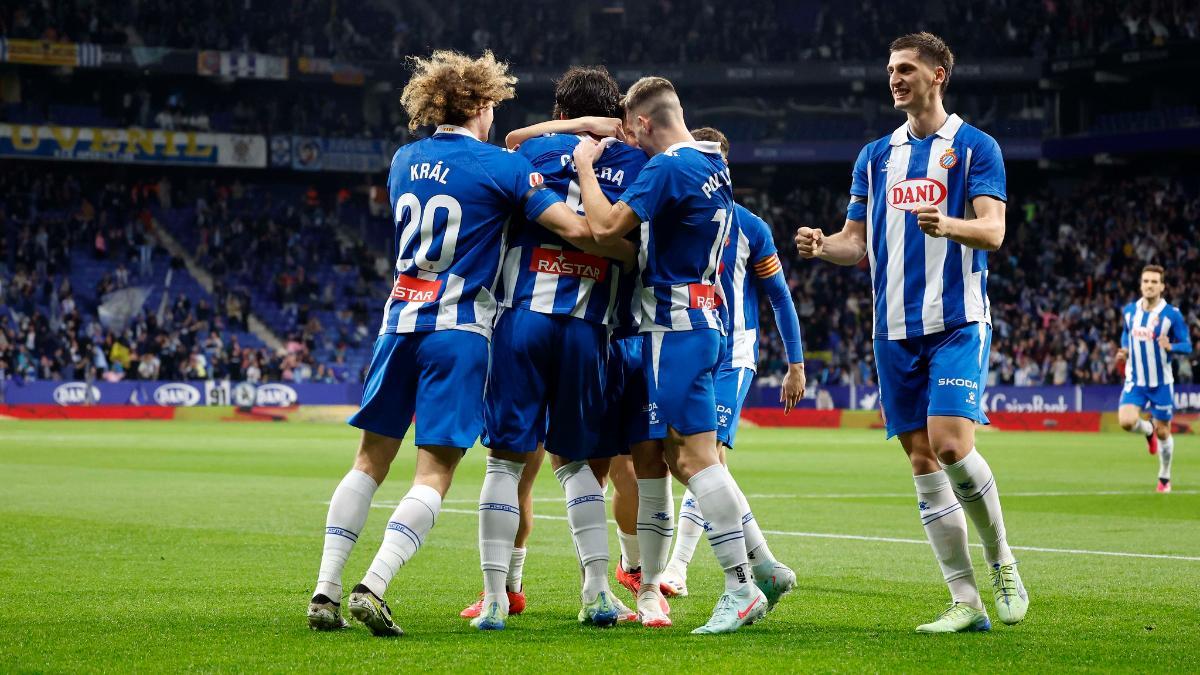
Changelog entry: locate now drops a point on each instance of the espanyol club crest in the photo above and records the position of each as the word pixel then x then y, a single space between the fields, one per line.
pixel 948 159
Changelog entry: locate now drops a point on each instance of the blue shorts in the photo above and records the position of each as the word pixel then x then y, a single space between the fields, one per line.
pixel 546 383
pixel 942 374
pixel 626 413
pixel 681 367
pixel 1160 400
pixel 439 376
pixel 732 387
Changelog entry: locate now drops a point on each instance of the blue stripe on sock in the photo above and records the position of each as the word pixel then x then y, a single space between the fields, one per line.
pixel 406 531
pixel 694 519
pixel 496 506
pixel 584 499
pixel 978 495
pixel 342 533
pixel 928 516
pixel 748 517
pixel 944 514
pixel 657 529
pixel 722 537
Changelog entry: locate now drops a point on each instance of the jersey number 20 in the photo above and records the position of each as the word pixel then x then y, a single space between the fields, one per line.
pixel 420 221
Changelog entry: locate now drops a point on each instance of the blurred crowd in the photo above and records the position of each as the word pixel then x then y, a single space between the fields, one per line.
pixel 541 32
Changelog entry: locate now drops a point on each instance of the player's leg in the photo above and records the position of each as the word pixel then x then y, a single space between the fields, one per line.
pixel 514 586
pixel 686 364
pixel 655 526
pixel 514 426
pixel 957 375
pixel 1129 415
pixel 904 396
pixel 1161 411
pixel 452 369
pixel 625 508
pixel 390 385
pixel 407 528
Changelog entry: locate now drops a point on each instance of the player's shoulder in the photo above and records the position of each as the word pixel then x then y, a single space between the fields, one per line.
pixel 974 137
pixel 1130 307
pixel 749 221
pixel 875 148
pixel 623 153
pixel 539 145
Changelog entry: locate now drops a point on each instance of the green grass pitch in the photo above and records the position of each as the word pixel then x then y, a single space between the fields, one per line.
pixel 169 546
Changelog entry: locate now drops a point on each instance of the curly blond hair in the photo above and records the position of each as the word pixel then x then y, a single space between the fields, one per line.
pixel 450 87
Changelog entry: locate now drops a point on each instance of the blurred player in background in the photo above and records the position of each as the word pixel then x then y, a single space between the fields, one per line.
pixel 927 204
pixel 749 265
pixel 683 204
pixel 546 382
pixel 1152 330
pixel 452 194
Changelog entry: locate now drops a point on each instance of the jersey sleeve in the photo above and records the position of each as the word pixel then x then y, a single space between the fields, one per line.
pixel 857 209
pixel 1181 340
pixel 529 188
pixel 986 173
pixel 650 192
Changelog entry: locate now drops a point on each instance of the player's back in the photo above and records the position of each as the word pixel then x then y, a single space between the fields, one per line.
pixel 451 197
pixel 748 256
pixel 686 205
pixel 543 272
pixel 924 285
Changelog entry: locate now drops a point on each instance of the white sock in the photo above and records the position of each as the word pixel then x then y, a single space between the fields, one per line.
pixel 656 525
pixel 499 518
pixel 516 569
pixel 589 525
pixel 631 553
pixel 1142 427
pixel 1165 451
pixel 976 489
pixel 691 527
pixel 406 530
pixel 759 555
pixel 717 496
pixel 347 514
pixel 946 528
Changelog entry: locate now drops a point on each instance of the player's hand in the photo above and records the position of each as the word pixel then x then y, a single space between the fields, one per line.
pixel 932 221
pixel 605 127
pixel 585 153
pixel 793 387
pixel 1164 342
pixel 810 243
pixel 1122 354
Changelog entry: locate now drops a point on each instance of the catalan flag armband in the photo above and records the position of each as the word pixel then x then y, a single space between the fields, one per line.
pixel 768 266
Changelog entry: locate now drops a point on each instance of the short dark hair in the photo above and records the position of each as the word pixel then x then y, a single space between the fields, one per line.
pixel 1157 269
pixel 929 47
pixel 713 135
pixel 587 90
pixel 653 97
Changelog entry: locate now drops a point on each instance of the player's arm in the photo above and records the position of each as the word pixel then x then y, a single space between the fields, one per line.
pixel 984 232
pixel 600 126
pixel 844 248
pixel 771 279
pixel 1179 341
pixel 1123 352
pixel 608 222
pixel 572 227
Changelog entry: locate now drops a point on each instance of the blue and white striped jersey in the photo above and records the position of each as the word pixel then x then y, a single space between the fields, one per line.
pixel 924 285
pixel 1148 364
pixel 749 256
pixel 684 197
pixel 542 272
pixel 451 196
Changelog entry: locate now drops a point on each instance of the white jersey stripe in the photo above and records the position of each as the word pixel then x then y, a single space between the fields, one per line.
pixel 743 340
pixel 973 300
pixel 511 268
pixel 894 233
pixel 932 316
pixel 680 300
pixel 544 287
pixel 448 304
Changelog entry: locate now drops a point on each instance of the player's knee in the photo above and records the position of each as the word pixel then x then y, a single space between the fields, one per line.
pixel 1126 423
pixel 1163 431
pixel 375 455
pixel 924 463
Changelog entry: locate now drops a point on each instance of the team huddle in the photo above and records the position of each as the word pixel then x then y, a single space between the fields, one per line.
pixel 592 293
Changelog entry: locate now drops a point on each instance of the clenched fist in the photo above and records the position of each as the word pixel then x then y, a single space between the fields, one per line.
pixel 810 243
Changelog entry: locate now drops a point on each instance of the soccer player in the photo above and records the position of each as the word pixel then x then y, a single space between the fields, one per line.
pixel 927 204
pixel 452 194
pixel 1152 330
pixel 548 360
pixel 683 204
pixel 749 265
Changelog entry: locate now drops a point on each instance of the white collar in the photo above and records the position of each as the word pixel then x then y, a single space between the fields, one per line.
pixel 949 128
pixel 710 147
pixel 452 129
pixel 1153 310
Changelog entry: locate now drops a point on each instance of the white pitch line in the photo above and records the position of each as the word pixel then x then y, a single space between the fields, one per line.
pixel 892 495
pixel 893 540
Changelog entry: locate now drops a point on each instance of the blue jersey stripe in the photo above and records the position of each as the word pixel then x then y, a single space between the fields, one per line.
pixel 914 249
